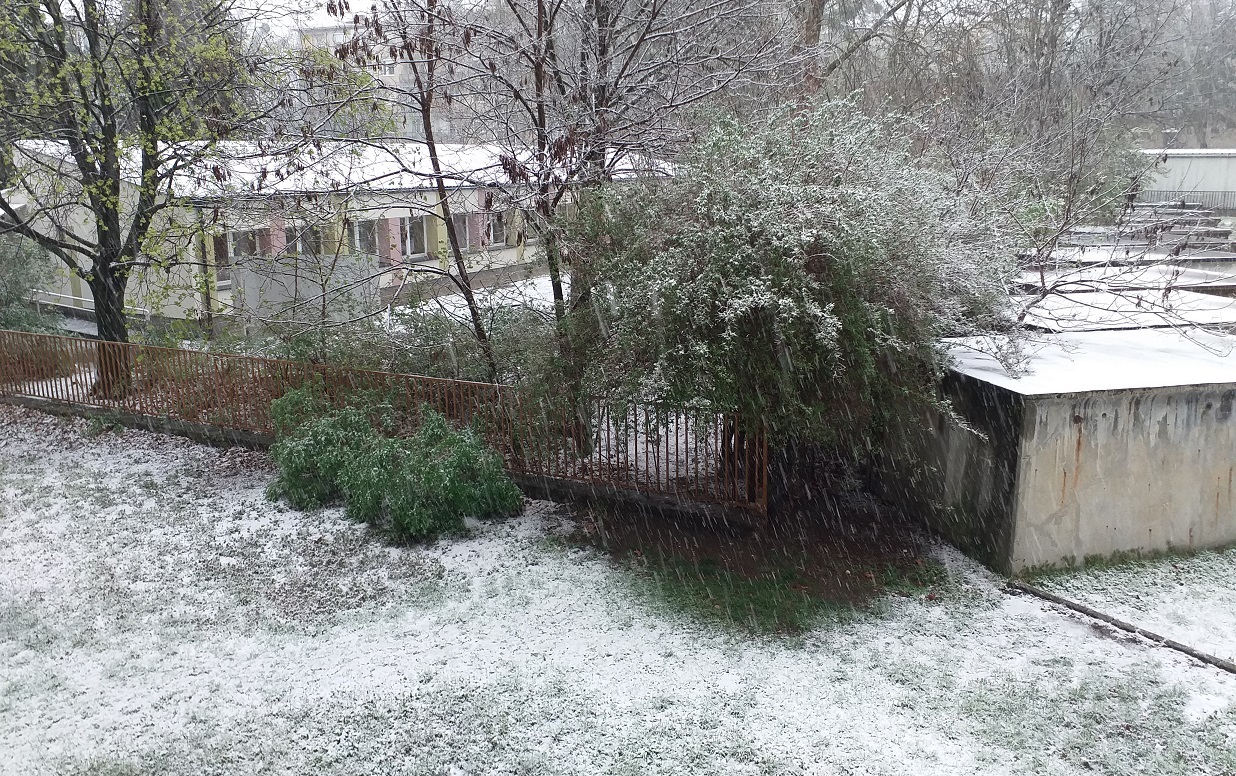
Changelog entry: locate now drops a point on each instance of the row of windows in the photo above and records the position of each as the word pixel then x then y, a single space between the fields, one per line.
pixel 382 68
pixel 363 238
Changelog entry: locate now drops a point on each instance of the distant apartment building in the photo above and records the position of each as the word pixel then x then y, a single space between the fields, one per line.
pixel 327 33
pixel 341 232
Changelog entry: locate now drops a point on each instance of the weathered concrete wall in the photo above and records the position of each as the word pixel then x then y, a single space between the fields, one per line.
pixel 1117 471
pixel 961 482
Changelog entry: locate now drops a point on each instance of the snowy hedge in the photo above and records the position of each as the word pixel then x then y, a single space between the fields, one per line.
pixel 801 271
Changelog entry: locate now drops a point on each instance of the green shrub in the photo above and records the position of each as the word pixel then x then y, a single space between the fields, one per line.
pixel 446 474
pixel 298 406
pixel 416 487
pixel 311 459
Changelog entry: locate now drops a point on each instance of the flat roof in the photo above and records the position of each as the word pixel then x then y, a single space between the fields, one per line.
pixel 1105 310
pixel 1136 252
pixel 1131 276
pixel 1104 361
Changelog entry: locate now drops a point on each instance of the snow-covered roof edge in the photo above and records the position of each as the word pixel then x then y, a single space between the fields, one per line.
pixel 1106 361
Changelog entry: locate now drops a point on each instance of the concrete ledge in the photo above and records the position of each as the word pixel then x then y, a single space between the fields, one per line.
pixel 536 486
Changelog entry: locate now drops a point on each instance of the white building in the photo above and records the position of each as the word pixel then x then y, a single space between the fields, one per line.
pixel 313 236
pixel 1203 175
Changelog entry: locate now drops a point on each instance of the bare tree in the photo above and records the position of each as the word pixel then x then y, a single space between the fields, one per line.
pixel 105 108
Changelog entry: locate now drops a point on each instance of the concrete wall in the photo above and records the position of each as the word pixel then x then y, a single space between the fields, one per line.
pixel 1054 480
pixel 961 482
pixel 1121 471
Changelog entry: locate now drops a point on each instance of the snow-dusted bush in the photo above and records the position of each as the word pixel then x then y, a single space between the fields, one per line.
pixel 801 271
pixel 418 486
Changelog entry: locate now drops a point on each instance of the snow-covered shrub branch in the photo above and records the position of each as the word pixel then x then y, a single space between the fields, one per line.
pixel 801 271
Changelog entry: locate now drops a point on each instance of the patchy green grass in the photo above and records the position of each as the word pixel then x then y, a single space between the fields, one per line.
pixel 778 601
pixel 1117 561
pixel 781 598
pixel 103 423
pixel 804 575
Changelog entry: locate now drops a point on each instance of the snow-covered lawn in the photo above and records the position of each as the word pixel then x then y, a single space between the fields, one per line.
pixel 1191 600
pixel 159 616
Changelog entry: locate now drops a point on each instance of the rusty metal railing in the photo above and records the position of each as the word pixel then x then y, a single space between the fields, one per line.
pixel 689 455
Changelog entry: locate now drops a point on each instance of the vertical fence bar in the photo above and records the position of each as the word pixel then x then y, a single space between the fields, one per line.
pixel 765 468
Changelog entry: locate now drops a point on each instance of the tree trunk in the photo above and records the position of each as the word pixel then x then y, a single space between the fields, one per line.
pixel 115 362
pixel 813 18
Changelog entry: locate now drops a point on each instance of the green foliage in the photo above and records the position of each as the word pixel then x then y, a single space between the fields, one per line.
pixel 98 425
pixel 416 486
pixel 801 271
pixel 312 458
pixel 23 267
pixel 776 602
pixel 298 407
pixel 778 599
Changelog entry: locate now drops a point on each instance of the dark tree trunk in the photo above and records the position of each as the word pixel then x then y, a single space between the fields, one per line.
pixel 115 367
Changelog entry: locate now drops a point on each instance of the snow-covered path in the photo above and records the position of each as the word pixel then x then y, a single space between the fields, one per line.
pixel 159 616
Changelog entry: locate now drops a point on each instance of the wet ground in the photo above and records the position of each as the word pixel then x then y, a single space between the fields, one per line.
pixel 158 615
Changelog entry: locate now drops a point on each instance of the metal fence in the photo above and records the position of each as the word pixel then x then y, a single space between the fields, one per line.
pixel 690 455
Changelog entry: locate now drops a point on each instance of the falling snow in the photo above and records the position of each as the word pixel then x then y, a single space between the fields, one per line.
pixel 159 615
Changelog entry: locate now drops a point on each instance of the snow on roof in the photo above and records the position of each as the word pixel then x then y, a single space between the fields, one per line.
pixel 1126 277
pixel 1100 310
pixel 1107 361
pixel 238 168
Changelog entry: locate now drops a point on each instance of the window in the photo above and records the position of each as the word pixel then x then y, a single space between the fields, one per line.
pixel 337 38
pixel 495 230
pixel 383 67
pixel 460 222
pixel 412 237
pixel 529 233
pixel 235 249
pixel 302 240
pixel 364 237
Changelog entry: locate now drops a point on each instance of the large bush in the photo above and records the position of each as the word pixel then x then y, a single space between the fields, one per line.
pixel 801 271
pixel 416 486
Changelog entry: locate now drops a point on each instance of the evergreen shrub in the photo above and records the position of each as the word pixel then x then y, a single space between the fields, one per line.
pixel 416 486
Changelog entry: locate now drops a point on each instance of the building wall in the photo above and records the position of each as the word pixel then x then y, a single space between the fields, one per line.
pixel 1125 471
pixel 1196 173
pixel 1208 177
pixel 267 286
pixel 1055 480
pixel 169 293
pixel 960 480
pixel 281 286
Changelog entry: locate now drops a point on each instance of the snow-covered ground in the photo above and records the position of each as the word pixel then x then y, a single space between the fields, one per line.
pixel 159 616
pixel 1190 600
